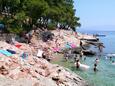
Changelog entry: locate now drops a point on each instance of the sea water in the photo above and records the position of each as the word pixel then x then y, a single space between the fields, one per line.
pixel 105 76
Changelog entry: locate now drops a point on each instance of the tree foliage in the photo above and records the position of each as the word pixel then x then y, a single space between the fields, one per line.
pixel 20 15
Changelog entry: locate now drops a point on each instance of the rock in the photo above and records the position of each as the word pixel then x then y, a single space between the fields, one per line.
pixel 3 71
pixel 33 71
pixel 36 84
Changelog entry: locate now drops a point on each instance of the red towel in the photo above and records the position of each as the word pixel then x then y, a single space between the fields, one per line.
pixel 18 45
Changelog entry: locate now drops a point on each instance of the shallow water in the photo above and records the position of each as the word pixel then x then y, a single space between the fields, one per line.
pixel 105 76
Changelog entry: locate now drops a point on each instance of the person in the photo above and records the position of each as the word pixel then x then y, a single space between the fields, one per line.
pixel 95 67
pixel 84 58
pixel 113 62
pixel 96 60
pixel 95 64
pixel 81 54
pixel 58 71
pixel 65 56
pixel 110 58
pixel 81 45
pixel 100 46
pixel 77 63
pixel 76 34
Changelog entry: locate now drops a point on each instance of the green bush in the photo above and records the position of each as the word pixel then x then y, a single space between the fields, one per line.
pixel 16 30
pixel 51 27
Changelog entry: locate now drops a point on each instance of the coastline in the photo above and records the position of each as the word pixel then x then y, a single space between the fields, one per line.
pixel 25 67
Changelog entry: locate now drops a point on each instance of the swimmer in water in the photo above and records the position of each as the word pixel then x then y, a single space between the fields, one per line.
pixel 95 67
pixel 113 62
pixel 96 60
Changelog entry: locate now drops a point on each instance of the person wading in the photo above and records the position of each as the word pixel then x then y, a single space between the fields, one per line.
pixel 77 64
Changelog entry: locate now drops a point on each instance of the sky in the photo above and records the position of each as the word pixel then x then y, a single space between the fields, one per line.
pixel 99 14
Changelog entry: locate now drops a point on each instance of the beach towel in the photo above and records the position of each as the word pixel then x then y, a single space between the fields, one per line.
pixel 73 45
pixel 67 45
pixel 18 45
pixel 11 51
pixel 24 55
pixel 56 49
pixel 40 52
pixel 6 53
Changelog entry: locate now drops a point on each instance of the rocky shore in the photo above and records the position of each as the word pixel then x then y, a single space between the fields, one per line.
pixel 33 71
pixel 20 65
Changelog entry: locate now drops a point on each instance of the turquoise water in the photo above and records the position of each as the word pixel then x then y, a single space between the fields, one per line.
pixel 105 76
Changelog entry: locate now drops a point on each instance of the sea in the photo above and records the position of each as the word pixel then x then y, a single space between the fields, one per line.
pixel 105 76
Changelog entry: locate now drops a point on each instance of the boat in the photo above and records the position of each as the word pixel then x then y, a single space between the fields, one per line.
pixel 100 35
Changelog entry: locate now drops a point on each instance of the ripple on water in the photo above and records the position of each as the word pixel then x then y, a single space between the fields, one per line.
pixel 104 77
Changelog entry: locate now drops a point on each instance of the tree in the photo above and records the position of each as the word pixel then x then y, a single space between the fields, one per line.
pixel 44 13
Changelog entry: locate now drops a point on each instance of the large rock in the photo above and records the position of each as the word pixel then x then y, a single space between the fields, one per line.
pixel 33 71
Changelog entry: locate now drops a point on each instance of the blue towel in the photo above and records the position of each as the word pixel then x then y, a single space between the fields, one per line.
pixel 11 51
pixel 5 52
pixel 68 45
pixel 24 55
